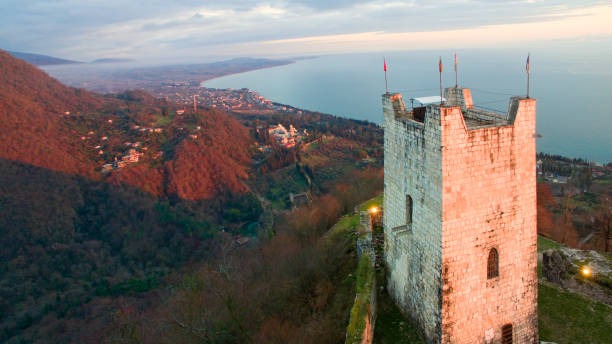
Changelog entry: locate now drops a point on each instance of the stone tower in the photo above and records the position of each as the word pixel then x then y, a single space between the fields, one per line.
pixel 460 218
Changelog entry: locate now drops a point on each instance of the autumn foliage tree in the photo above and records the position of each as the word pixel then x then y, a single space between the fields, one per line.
pixel 546 221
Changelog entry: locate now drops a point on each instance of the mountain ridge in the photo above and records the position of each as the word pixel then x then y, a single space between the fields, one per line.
pixel 40 59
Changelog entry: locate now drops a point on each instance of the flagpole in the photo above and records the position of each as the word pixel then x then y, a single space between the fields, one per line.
pixel 527 85
pixel 440 88
pixel 527 68
pixel 385 68
pixel 456 83
pixel 440 69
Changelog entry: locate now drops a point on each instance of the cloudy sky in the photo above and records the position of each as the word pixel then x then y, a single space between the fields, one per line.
pixel 90 29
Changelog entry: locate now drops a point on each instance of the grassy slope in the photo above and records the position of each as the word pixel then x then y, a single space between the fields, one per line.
pixel 344 225
pixel 547 244
pixel 566 317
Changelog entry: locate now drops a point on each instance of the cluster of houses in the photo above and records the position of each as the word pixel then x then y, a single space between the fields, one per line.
pixel 243 99
pixel 227 99
pixel 150 130
pixel 284 137
pixel 598 170
pixel 131 157
pixel 235 99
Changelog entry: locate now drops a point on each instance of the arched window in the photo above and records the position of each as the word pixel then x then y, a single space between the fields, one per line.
pixel 408 209
pixel 507 334
pixel 493 264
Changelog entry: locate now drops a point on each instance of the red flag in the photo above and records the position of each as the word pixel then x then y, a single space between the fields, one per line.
pixel 527 66
pixel 440 65
pixel 385 64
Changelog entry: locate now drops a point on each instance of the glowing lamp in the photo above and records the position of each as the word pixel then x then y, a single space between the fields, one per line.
pixel 586 272
pixel 373 210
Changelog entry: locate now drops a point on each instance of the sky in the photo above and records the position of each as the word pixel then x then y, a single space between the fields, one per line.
pixel 85 30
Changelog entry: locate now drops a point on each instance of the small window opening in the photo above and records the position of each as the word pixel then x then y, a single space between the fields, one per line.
pixel 507 334
pixel 493 264
pixel 408 209
pixel 419 114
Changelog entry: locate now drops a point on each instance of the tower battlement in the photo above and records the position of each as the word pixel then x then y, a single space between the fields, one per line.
pixel 474 117
pixel 460 218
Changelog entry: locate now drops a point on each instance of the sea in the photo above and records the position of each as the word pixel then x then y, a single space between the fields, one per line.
pixel 573 88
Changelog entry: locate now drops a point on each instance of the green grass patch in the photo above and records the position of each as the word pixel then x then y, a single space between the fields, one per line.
pixel 161 121
pixel 547 244
pixel 345 224
pixel 376 201
pixel 345 227
pixel 607 179
pixel 364 284
pixel 131 286
pixel 391 325
pixel 313 146
pixel 585 201
pixel 565 317
pixel 280 183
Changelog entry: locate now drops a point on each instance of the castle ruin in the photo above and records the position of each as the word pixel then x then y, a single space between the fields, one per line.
pixel 460 218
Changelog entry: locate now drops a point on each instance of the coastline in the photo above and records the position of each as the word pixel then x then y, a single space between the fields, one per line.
pixel 289 62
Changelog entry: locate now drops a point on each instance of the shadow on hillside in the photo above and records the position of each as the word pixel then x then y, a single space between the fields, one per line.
pixel 67 239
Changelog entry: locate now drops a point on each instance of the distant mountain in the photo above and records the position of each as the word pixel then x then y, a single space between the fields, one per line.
pixel 195 73
pixel 111 60
pixel 41 60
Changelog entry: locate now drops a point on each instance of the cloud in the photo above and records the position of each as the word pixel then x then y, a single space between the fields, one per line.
pixel 591 22
pixel 88 30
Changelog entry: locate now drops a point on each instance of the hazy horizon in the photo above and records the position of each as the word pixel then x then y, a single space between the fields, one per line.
pixel 187 31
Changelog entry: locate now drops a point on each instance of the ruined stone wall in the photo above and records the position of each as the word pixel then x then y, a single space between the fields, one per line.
pixel 489 201
pixel 360 329
pixel 413 166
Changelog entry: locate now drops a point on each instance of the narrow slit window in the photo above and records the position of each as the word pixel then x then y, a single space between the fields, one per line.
pixel 493 264
pixel 408 209
pixel 507 334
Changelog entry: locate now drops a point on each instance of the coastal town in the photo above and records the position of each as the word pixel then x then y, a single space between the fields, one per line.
pixel 236 100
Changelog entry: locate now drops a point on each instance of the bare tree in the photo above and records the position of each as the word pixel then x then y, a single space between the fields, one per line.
pixel 603 222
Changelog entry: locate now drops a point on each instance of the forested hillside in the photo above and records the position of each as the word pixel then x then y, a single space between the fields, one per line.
pixel 70 243
pixel 73 234
pixel 31 108
pixel 195 156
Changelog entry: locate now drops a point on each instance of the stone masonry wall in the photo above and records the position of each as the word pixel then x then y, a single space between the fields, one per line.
pixel 360 329
pixel 489 201
pixel 413 254
pixel 472 189
pixel 461 97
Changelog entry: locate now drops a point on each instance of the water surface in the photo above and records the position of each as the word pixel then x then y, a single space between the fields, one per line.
pixel 573 91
